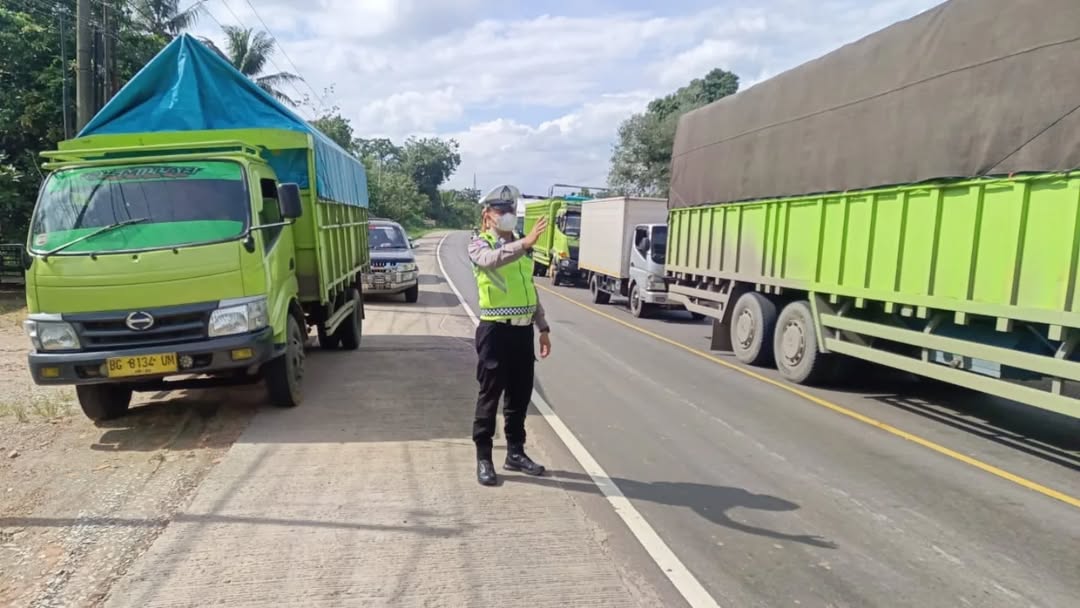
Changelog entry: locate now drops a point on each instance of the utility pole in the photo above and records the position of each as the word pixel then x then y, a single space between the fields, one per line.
pixel 108 50
pixel 65 98
pixel 84 83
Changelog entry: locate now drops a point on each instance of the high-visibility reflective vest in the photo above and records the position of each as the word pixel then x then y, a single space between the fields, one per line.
pixel 507 293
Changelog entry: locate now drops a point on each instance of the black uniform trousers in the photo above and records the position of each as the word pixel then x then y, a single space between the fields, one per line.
pixel 505 364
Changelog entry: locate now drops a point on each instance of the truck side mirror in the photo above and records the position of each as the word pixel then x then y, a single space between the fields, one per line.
pixel 289 201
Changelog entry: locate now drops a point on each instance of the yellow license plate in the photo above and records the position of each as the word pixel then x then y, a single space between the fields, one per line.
pixel 143 365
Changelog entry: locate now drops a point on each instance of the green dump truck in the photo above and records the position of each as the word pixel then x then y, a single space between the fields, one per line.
pixel 844 210
pixel 188 237
pixel 556 253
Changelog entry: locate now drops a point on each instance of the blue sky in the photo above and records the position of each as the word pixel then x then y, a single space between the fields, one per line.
pixel 534 91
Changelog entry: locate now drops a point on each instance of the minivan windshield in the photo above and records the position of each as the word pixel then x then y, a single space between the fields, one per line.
pixel 145 206
pixel 386 237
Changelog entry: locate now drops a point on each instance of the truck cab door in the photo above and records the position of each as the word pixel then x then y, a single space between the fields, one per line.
pixel 274 244
pixel 639 251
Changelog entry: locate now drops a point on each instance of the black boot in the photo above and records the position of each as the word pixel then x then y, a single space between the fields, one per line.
pixel 485 472
pixel 516 460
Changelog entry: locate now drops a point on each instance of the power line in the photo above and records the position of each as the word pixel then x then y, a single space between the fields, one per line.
pixel 318 98
pixel 240 22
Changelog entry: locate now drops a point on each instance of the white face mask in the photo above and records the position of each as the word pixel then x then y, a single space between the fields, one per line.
pixel 506 222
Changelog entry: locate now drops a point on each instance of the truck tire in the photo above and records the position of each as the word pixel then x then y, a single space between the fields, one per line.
pixel 412 294
pixel 103 401
pixel 598 296
pixel 753 322
pixel 555 279
pixel 638 308
pixel 284 375
pixel 796 349
pixel 351 331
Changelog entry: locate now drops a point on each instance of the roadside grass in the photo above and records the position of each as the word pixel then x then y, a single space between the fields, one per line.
pixel 42 407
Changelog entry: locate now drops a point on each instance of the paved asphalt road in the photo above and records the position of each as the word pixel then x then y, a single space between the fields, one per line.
pixel 771 499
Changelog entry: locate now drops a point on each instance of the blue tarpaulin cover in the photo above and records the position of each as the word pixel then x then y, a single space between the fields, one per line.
pixel 188 87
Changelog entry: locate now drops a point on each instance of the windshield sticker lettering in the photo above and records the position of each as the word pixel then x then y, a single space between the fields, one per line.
pixel 137 173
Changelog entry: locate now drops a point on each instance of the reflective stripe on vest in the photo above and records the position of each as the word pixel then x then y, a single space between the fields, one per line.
pixel 506 293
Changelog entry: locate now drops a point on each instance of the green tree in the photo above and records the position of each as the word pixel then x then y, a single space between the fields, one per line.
pixel 380 148
pixel 249 51
pixel 393 194
pixel 165 18
pixel 431 161
pixel 338 128
pixel 641 158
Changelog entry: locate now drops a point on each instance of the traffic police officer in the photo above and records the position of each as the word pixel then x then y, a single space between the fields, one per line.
pixel 510 314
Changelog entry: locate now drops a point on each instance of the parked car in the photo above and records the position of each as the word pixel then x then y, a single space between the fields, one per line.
pixel 393 261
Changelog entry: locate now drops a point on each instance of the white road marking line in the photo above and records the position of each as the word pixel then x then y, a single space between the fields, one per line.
pixel 672 567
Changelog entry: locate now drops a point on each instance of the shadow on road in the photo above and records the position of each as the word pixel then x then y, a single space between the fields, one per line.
pixel 712 503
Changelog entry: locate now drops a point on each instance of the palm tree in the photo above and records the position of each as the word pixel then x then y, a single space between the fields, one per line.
pixel 249 52
pixel 164 17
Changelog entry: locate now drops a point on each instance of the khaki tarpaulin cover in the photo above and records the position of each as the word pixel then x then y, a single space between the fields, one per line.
pixel 969 88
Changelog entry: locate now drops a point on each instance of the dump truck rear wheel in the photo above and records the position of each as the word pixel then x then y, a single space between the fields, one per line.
pixel 285 374
pixel 598 296
pixel 796 349
pixel 753 322
pixel 350 331
pixel 327 341
pixel 103 401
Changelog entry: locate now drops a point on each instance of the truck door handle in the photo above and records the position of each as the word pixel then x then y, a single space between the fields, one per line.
pixel 292 263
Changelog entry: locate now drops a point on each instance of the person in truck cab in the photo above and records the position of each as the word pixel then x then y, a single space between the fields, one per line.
pixel 510 314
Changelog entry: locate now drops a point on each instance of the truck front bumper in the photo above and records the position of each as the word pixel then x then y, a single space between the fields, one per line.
pixel 205 357
pixel 659 298
pixel 569 268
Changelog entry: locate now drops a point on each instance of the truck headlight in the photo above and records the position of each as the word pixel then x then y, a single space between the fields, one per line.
pixel 51 334
pixel 239 317
pixel 656 283
pixel 406 267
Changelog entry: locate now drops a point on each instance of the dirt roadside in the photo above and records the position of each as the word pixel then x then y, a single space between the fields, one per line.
pixel 78 501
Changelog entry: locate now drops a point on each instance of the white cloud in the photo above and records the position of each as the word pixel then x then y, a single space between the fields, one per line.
pixel 545 93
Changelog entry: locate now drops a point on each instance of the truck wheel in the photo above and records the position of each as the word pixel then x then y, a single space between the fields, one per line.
pixel 412 294
pixel 753 322
pixel 103 401
pixel 555 278
pixel 285 374
pixel 350 331
pixel 638 307
pixel 796 349
pixel 598 297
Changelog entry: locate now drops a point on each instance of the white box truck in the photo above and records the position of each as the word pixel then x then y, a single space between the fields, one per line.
pixel 623 243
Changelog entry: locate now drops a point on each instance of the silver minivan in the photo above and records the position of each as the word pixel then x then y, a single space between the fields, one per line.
pixel 393 261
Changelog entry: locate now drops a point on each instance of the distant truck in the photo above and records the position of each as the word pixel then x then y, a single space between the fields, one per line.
pixel 555 255
pixel 188 241
pixel 866 205
pixel 623 252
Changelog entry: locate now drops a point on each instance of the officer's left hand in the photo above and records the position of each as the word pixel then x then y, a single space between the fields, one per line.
pixel 545 345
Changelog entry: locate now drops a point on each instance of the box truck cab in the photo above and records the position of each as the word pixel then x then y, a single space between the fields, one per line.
pixel 623 251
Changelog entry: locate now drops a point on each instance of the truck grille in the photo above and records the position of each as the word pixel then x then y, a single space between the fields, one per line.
pixel 174 325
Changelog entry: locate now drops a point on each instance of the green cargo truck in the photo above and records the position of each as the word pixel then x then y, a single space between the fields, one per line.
pixel 877 214
pixel 188 237
pixel 556 253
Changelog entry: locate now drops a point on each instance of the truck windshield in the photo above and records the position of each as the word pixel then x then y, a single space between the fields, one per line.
pixel 181 203
pixel 659 244
pixel 572 224
pixel 386 237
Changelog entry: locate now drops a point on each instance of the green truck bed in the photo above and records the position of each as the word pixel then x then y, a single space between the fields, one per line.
pixel 978 279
